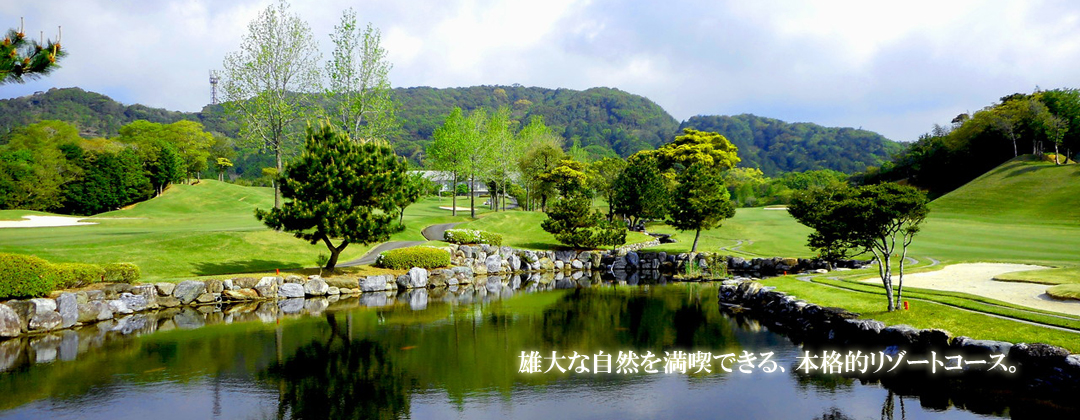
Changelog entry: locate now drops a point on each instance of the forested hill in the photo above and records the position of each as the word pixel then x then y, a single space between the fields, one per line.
pixel 95 115
pixel 776 146
pixel 604 121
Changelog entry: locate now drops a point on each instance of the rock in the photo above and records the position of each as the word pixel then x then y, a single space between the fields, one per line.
pixel 68 308
pixel 576 264
pixel 515 262
pixel 1025 353
pixel 341 283
pixel 479 268
pixel 559 265
pixel 135 303
pixel 148 292
pixel 493 263
pixel 208 298
pixel 10 324
pixel 94 311
pixel 632 259
pixel 982 346
pixel 333 291
pixel 228 284
pixel 934 338
pixel 42 305
pixel 316 287
pixel 165 289
pixel 24 310
pixel 291 290
pixel 240 294
pixel 187 291
pixel 118 306
pixel 95 295
pixel 292 278
pixel 374 283
pixel 45 321
pixel 245 282
pixel 268 281
pixel 266 291
pixel 900 335
pixel 168 301
pixel 214 286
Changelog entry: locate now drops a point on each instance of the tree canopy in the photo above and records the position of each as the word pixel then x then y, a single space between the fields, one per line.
pixel 872 218
pixel 338 189
pixel 23 59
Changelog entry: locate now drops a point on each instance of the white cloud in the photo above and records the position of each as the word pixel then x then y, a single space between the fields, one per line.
pixel 896 68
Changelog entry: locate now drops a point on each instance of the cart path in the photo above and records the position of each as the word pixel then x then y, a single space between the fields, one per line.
pixel 431 233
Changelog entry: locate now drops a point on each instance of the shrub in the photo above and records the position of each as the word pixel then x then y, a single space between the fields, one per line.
pixel 472 236
pixel 25 276
pixel 122 272
pixel 413 256
pixel 77 274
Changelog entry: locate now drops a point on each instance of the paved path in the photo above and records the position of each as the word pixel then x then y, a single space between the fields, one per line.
pixel 431 233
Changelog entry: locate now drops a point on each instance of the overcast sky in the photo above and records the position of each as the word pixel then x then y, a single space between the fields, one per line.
pixel 893 67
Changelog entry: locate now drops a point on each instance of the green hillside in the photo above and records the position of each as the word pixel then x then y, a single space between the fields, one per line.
pixel 1023 190
pixel 776 146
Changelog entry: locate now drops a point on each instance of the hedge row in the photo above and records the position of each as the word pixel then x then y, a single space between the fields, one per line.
pixel 29 276
pixel 472 236
pixel 413 256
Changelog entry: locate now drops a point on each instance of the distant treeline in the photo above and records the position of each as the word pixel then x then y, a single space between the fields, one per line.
pixel 1044 123
pixel 601 122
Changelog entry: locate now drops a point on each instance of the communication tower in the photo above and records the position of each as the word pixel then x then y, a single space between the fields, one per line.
pixel 213 87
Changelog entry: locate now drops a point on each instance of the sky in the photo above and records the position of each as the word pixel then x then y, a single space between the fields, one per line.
pixel 896 68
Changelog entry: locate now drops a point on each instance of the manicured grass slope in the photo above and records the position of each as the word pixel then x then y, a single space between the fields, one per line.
pixel 205 229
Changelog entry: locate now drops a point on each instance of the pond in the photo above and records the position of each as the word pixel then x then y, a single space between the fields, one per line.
pixel 452 359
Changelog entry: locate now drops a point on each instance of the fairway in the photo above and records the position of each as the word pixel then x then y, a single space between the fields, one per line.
pixel 205 229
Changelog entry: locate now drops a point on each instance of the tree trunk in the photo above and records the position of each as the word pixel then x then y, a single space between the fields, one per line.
pixel 1016 151
pixel 453 192
pixel 900 279
pixel 277 189
pixel 696 236
pixel 1056 154
pixel 472 196
pixel 334 252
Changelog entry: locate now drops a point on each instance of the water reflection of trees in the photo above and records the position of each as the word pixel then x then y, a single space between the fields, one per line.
pixel 339 378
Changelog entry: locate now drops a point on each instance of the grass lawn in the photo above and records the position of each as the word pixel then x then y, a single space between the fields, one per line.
pixel 1054 276
pixel 928 314
pixel 200 230
pixel 521 229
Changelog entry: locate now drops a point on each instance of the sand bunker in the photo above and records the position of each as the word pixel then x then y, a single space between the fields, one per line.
pixel 977 279
pixel 44 221
pixel 451 208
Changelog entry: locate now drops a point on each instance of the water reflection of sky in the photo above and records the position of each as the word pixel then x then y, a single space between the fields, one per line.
pixel 429 372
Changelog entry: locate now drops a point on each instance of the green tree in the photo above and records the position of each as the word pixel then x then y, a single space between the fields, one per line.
pixel 699 202
pixel 192 144
pixel 23 59
pixel 415 187
pixel 573 222
pixel 222 166
pixel 111 179
pixel 710 149
pixel 339 189
pixel 603 175
pixel 265 82
pixel 359 92
pixel 541 151
pixel 33 168
pixel 568 177
pixel 870 218
pixel 641 191
pixel 446 152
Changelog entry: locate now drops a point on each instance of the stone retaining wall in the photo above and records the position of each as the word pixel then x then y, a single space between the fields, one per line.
pixel 1040 367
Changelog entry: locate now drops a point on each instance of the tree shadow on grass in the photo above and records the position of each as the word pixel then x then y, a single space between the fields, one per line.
pixel 541 246
pixel 244 266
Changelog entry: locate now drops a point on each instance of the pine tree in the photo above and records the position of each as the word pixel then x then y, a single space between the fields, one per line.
pixel 23 59
pixel 339 189
pixel 699 202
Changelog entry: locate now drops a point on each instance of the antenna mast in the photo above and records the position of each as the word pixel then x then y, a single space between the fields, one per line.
pixel 213 87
